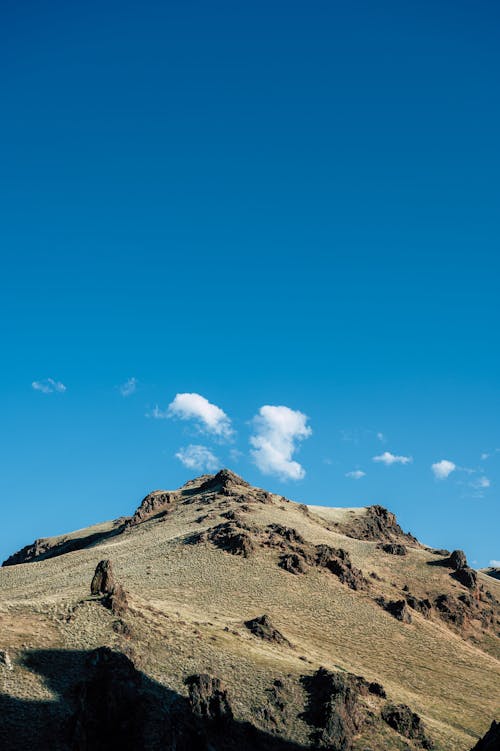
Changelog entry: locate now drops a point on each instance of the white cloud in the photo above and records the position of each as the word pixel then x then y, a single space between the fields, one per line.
pixel 197 457
pixel 388 459
pixel 381 437
pixel 129 387
pixel 356 474
pixel 495 564
pixel 49 386
pixel 277 431
pixel 211 418
pixel 481 482
pixel 489 454
pixel 443 468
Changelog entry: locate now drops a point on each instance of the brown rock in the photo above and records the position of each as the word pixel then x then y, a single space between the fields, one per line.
pixel 457 560
pixel 466 576
pixel 103 580
pixel 293 563
pixel 208 699
pixel 397 608
pixel 264 629
pixel 393 548
pixel 406 723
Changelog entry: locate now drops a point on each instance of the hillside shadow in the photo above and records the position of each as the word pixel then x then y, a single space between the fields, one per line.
pixel 101 702
pixel 64 546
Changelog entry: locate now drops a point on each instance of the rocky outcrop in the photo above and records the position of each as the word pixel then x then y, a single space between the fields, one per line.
pixel 393 548
pixel 420 605
pixel 334 708
pixel 157 503
pixel 112 593
pixel 397 608
pixel 234 537
pixel 103 580
pixel 457 560
pixel 466 576
pixel 223 481
pixel 378 524
pixel 208 699
pixel 490 741
pixel 451 609
pixel 406 723
pixel 262 627
pixel 338 562
pixel 293 563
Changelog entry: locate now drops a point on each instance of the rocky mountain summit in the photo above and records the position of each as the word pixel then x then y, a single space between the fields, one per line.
pixel 221 616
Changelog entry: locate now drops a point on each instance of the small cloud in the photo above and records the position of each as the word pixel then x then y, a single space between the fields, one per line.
pixel 49 386
pixel 381 437
pixel 158 414
pixel 481 482
pixel 129 387
pixel 356 474
pixel 489 454
pixel 277 431
pixel 387 458
pixel 443 469
pixel 197 457
pixel 210 417
pixel 495 564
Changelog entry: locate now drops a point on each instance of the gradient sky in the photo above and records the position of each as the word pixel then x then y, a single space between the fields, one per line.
pixel 286 204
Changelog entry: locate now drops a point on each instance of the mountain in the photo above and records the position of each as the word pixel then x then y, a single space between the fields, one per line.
pixel 221 616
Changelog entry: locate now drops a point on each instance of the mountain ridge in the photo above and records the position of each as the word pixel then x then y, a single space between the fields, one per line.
pixel 221 579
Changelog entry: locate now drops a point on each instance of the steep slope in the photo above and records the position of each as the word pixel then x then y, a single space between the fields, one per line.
pixel 238 618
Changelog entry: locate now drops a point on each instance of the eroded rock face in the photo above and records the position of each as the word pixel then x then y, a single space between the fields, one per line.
pixel 406 723
pixel 224 480
pixel 103 580
pixel 450 609
pixel 263 628
pixel 208 699
pixel 152 505
pixel 103 583
pixel 457 560
pixel 467 576
pixel 393 548
pixel 422 606
pixel 377 524
pixel 334 709
pixel 234 537
pixel 338 561
pixel 490 741
pixel 397 608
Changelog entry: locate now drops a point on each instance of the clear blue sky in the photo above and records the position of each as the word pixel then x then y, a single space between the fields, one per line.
pixel 266 204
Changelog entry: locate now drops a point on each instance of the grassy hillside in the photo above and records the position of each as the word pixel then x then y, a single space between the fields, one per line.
pixel 188 599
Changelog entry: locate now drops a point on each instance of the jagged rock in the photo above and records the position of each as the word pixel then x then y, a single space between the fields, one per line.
pixel 422 606
pixel 406 723
pixel 151 505
pixel 103 583
pixel 457 560
pixel 224 480
pixel 103 580
pixel 397 608
pixel 234 537
pixel 334 709
pixel 208 699
pixel 466 576
pixel 293 563
pixel 5 660
pixel 339 563
pixel 491 740
pixel 264 629
pixel 392 548
pixel 377 689
pixel 279 534
pixel 450 609
pixel 376 524
pixel 116 600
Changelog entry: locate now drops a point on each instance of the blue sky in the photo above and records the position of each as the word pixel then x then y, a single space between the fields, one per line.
pixel 264 204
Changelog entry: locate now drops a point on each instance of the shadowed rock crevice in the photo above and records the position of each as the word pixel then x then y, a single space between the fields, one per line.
pixel 406 723
pixel 377 524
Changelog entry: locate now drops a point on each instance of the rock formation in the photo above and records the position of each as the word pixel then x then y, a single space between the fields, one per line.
pixel 262 627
